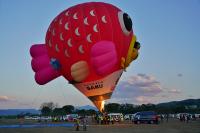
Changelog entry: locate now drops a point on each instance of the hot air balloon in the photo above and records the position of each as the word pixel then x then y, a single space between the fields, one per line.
pixel 90 45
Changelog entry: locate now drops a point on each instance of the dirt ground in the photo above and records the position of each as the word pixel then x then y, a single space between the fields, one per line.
pixel 173 126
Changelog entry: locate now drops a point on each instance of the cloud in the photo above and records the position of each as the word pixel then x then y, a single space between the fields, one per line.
pixel 175 91
pixel 11 102
pixel 143 99
pixel 4 98
pixel 142 89
pixel 179 74
pixel 139 89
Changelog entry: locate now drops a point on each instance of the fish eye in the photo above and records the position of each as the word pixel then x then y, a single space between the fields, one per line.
pixel 125 22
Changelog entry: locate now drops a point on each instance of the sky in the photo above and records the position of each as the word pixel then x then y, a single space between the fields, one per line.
pixel 167 68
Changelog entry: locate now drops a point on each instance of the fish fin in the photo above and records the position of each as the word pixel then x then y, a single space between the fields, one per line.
pixel 44 72
pixel 38 50
pixel 79 71
pixel 103 57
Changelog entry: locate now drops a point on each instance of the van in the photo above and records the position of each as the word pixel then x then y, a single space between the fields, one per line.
pixel 146 117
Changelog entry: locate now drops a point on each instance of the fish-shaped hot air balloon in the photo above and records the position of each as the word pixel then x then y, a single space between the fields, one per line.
pixel 89 44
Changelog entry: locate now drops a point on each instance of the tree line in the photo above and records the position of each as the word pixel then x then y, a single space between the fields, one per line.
pixel 51 108
pixel 131 109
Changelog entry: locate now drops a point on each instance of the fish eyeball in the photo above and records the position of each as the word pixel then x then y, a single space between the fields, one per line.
pixel 125 22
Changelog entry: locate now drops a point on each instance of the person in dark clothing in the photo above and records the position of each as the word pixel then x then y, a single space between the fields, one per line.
pixel 167 117
pixel 77 124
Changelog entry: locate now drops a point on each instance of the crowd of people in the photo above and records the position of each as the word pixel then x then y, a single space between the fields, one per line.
pixel 183 117
pixel 186 117
pixel 102 119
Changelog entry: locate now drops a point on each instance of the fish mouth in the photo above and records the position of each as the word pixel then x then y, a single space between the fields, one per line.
pixel 132 51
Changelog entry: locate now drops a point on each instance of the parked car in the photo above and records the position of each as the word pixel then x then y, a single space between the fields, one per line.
pixel 35 118
pixel 146 117
pixel 71 117
pixel 116 116
pixel 28 117
pixel 129 116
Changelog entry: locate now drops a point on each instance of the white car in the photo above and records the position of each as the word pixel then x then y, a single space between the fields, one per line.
pixel 35 118
pixel 129 116
pixel 116 116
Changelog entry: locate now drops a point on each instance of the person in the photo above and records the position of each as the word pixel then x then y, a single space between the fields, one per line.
pixel 184 117
pixel 96 119
pixel 181 117
pixel 101 118
pixel 187 118
pixel 161 117
pixel 84 121
pixel 108 120
pixel 111 119
pixel 77 124
pixel 193 117
pixel 167 117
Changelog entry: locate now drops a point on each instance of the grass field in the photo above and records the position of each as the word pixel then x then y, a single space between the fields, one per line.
pixel 173 126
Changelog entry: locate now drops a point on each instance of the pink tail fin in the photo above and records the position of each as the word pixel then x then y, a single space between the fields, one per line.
pixel 45 75
pixel 38 50
pixel 40 63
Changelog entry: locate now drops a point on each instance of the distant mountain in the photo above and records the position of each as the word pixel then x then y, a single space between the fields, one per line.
pixel 187 102
pixel 18 111
pixel 4 112
pixel 87 107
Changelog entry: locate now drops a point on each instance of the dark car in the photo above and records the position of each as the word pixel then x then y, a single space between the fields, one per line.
pixel 150 117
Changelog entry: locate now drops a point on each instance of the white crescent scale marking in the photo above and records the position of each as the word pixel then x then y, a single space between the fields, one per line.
pixel 75 16
pixel 92 13
pixel 66 53
pixel 95 28
pixel 77 32
pixel 50 43
pixel 67 13
pixel 80 49
pixel 67 26
pixel 61 37
pixel 89 38
pixel 56 47
pixel 103 18
pixel 86 21
pixel 60 22
pixel 69 42
pixel 53 32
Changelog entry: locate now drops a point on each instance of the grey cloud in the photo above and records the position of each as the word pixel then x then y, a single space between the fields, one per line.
pixel 179 74
pixel 138 88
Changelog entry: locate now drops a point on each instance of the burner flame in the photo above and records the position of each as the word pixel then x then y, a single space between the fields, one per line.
pixel 102 106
